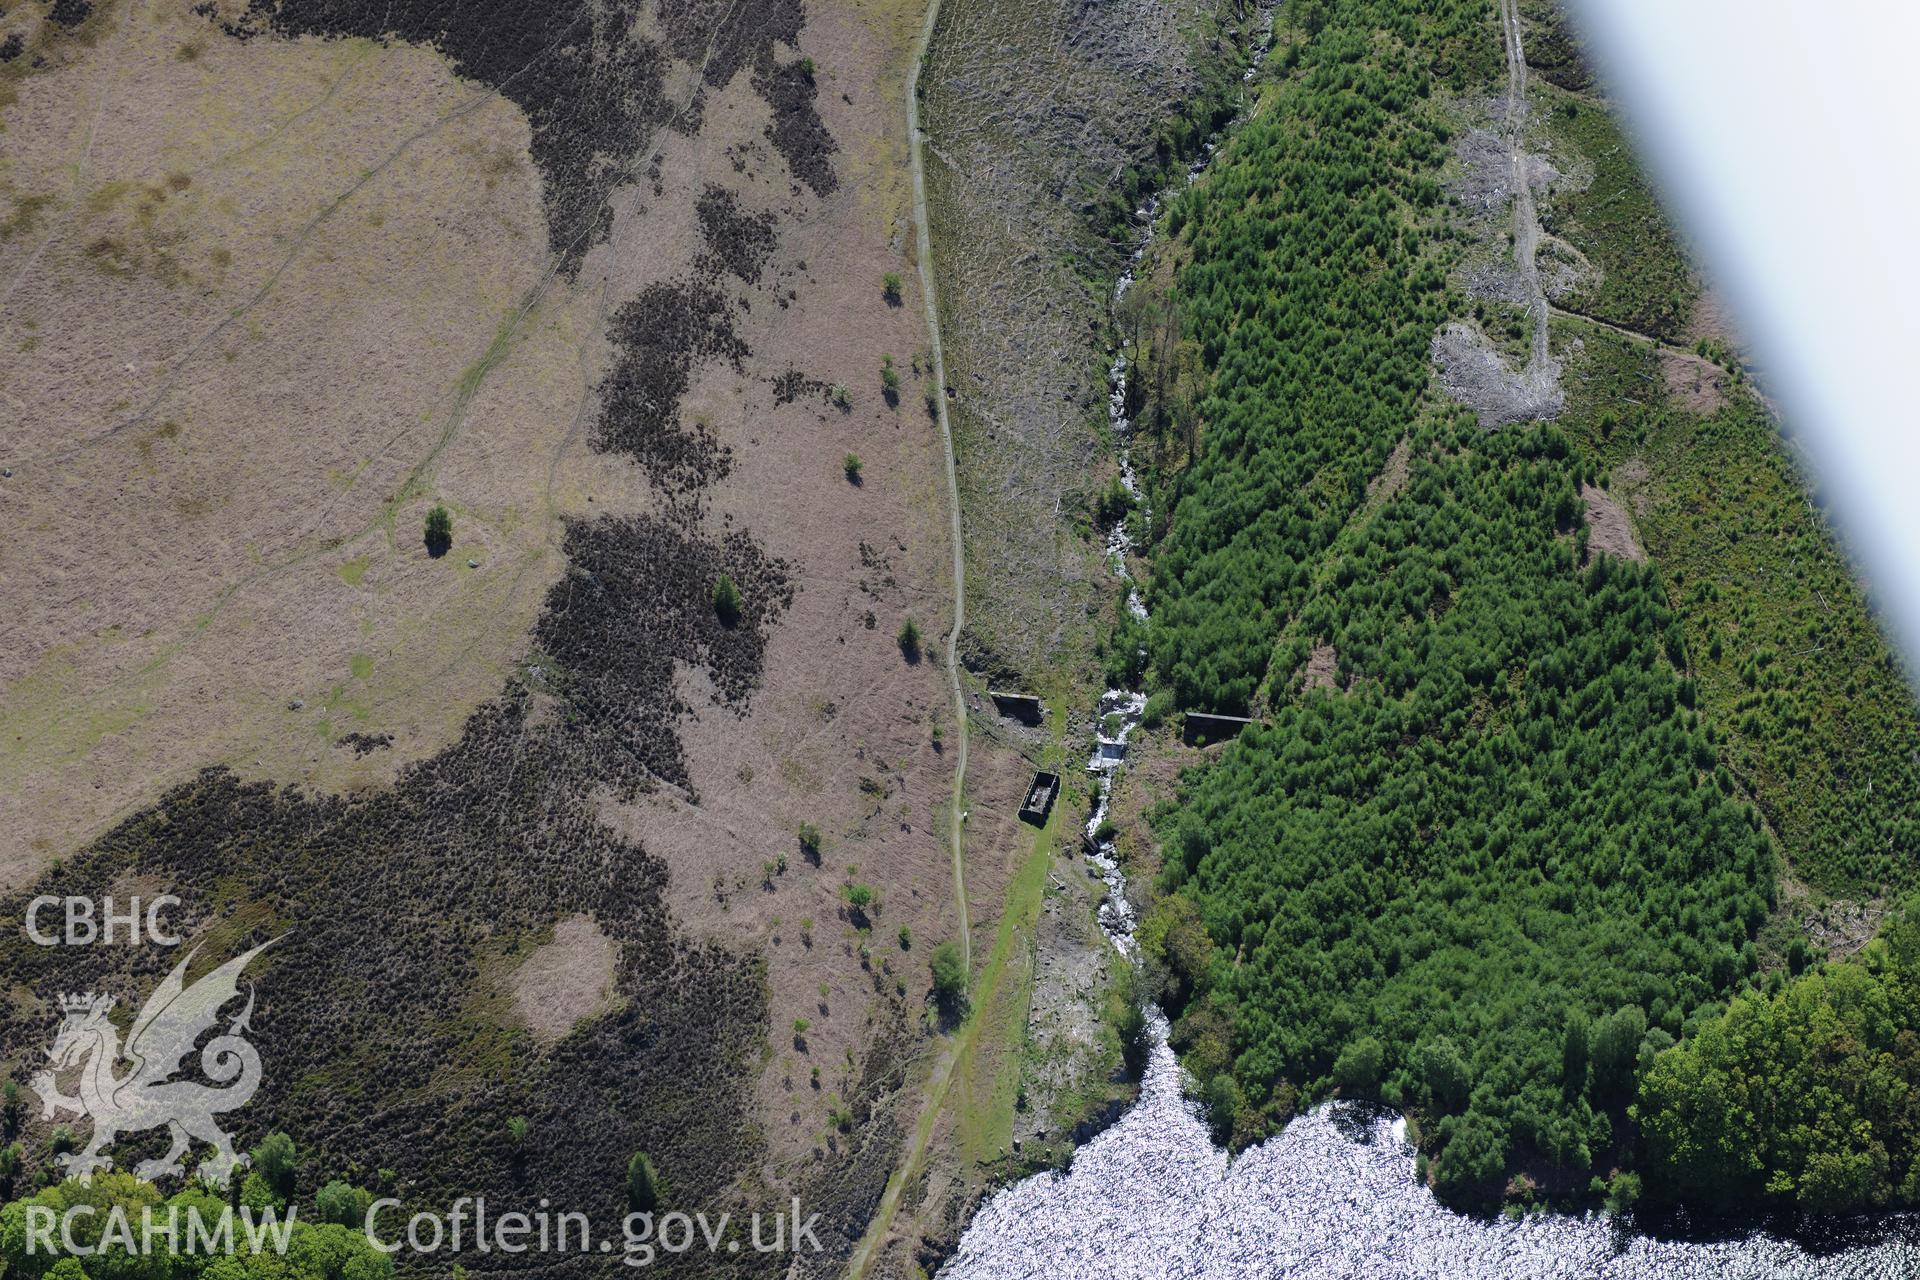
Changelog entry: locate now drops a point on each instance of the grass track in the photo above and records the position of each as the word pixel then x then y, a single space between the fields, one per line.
pixel 995 1004
pixel 923 250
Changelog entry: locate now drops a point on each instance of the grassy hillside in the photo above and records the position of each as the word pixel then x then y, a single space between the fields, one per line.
pixel 1639 277
pixel 1048 123
pixel 1812 706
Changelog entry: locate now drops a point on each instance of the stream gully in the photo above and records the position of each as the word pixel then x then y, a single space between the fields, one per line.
pixel 1335 1195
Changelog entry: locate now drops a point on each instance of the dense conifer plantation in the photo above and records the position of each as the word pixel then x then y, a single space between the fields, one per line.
pixel 1501 864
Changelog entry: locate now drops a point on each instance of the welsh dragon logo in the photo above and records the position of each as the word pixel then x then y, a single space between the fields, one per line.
pixel 147 1096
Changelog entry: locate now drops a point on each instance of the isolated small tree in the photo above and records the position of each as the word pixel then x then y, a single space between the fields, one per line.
pixel 341 1203
pixel 909 638
pixel 890 288
pixel 851 465
pixel 906 938
pixel 726 601
pixel 810 842
pixel 439 534
pixel 517 1129
pixel 645 1190
pixel 1623 1192
pixel 841 397
pixel 889 382
pixel 949 977
pixel 274 1161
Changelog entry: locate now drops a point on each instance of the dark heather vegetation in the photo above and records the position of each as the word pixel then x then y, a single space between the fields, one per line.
pixel 403 910
pixel 664 335
pixel 738 241
pixel 591 79
pixel 1502 866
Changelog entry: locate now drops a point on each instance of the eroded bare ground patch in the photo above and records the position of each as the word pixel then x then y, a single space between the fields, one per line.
pixel 1072 971
pixel 1393 476
pixel 566 981
pixel 1696 384
pixel 1500 363
pixel 1609 531
pixel 1836 927
pixel 1323 667
pixel 324 264
pixel 1713 320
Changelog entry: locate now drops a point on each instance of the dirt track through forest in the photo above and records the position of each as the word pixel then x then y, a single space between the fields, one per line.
pixel 1526 218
